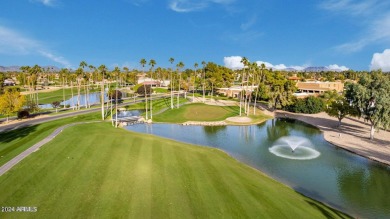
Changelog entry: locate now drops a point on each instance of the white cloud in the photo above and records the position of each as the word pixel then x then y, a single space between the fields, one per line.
pixel 233 62
pixel 267 64
pixel 280 66
pixel 381 61
pixel 14 43
pixel 335 67
pixel 194 5
pixel 59 59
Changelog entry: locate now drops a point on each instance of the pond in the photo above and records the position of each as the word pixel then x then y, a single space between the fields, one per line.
pixel 297 155
pixel 93 98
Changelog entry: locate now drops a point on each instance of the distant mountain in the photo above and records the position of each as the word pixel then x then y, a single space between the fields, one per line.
pixel 9 68
pixel 17 68
pixel 317 69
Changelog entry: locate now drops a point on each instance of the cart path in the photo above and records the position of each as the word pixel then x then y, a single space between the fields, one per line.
pixel 7 166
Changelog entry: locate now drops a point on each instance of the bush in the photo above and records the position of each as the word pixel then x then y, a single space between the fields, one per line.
pixel 23 114
pixel 115 95
pixel 141 90
pixel 309 105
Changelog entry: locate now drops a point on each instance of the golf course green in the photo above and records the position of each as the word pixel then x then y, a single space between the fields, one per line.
pixel 97 171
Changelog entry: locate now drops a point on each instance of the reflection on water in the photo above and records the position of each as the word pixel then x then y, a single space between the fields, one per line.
pixel 92 98
pixel 343 180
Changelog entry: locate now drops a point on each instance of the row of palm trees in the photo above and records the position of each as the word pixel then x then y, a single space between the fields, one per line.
pixel 86 75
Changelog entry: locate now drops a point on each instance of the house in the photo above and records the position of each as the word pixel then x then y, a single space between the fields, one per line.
pixel 235 91
pixel 9 82
pixel 318 87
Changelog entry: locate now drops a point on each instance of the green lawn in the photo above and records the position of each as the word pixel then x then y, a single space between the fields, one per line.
pixel 96 171
pixel 197 112
pixel 14 142
pixel 158 105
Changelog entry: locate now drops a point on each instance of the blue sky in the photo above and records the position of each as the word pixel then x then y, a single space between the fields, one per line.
pixel 282 33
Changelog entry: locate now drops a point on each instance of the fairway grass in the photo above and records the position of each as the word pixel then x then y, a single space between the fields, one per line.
pixel 16 141
pixel 96 171
pixel 197 112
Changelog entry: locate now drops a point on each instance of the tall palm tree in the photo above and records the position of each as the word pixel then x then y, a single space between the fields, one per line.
pixel 245 62
pixel 82 65
pixel 204 78
pixel 103 70
pixel 171 60
pixel 179 66
pixel 63 74
pixel 143 63
pixel 193 89
pixel 116 72
pixel 152 63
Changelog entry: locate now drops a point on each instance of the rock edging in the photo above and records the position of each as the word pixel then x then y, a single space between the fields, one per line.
pixel 217 123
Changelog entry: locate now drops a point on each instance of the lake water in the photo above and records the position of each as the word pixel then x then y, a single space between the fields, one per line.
pixel 93 98
pixel 350 183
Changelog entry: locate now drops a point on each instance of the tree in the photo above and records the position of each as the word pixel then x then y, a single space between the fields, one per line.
pixel 309 105
pixel 2 78
pixel 103 70
pixel 143 63
pixel 179 66
pixel 144 90
pixel 193 85
pixel 245 62
pixel 11 102
pixel 371 97
pixel 171 60
pixel 152 63
pixel 56 104
pixel 204 79
pixel 340 108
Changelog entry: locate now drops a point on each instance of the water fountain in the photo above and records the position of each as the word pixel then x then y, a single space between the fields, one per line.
pixel 294 147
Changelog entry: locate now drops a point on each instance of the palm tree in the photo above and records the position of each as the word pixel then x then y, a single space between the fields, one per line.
pixel 179 66
pixel 63 73
pixel 82 65
pixel 116 72
pixel 171 60
pixel 244 61
pixel 143 63
pixel 204 78
pixel 193 89
pixel 152 63
pixel 102 69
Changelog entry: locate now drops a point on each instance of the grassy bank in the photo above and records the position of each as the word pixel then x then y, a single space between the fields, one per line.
pixel 197 112
pixel 96 171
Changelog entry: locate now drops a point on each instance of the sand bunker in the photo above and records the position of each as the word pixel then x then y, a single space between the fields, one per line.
pixel 239 119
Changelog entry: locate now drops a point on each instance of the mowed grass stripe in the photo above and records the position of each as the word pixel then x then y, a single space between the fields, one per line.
pixel 141 203
pixel 160 199
pixel 87 173
pixel 188 182
pixel 232 206
pixel 119 174
pixel 177 201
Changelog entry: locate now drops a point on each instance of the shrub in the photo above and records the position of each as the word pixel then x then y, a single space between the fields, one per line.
pixel 141 90
pixel 309 105
pixel 23 114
